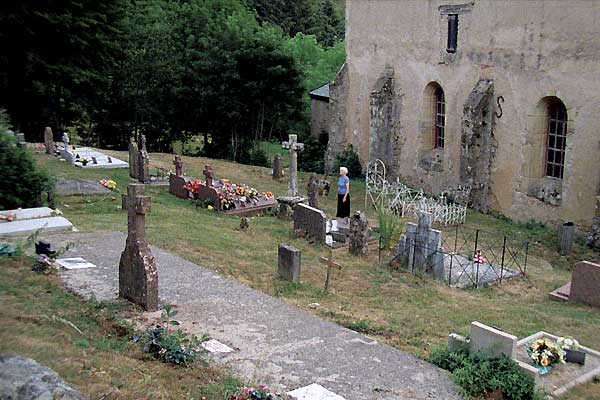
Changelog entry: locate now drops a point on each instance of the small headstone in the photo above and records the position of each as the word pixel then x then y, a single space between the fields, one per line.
pixel 288 263
pixel 109 159
pixel 143 162
pixel 277 166
pixel 123 202
pixel 138 278
pixel 20 137
pixel 491 342
pixel 43 247
pixel 566 234
pixel 49 140
pixel 209 174
pixel 94 160
pixel 214 346
pixel 359 234
pixel 312 190
pixel 65 139
pixel 311 221
pixel 244 224
pixel 134 169
pixel 178 165
pixel 294 148
pixel 456 342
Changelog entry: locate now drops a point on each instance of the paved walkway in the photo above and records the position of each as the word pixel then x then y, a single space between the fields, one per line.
pixel 274 343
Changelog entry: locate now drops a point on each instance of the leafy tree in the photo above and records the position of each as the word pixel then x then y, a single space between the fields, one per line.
pixel 54 54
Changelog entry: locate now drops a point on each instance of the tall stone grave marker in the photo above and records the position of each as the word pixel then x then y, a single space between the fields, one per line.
pixel 294 148
pixel 134 170
pixel 49 140
pixel 420 248
pixel 138 277
pixel 359 234
pixel 288 262
pixel 143 162
pixel 209 174
pixel 65 139
pixel 277 166
pixel 178 165
pixel 312 188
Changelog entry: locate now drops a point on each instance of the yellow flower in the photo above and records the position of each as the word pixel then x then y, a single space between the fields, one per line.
pixel 544 362
pixel 210 207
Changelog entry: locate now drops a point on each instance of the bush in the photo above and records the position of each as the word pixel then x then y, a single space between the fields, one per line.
pixel 390 227
pixel 22 182
pixel 312 159
pixel 349 159
pixel 478 376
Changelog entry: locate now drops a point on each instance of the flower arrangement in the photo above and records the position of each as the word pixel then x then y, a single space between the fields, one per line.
pixel 260 393
pixel 545 354
pixel 108 183
pixel 194 185
pixel 84 161
pixel 268 194
pixel 9 216
pixel 567 343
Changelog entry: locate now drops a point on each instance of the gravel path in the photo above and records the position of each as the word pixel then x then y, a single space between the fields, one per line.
pixel 274 343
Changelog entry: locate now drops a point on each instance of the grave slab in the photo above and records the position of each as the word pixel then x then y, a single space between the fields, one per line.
pixel 74 263
pixel 78 187
pixel 28 226
pixel 29 213
pixel 214 346
pixel 314 392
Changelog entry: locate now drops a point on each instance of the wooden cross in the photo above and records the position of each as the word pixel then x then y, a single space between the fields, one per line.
pixel 330 264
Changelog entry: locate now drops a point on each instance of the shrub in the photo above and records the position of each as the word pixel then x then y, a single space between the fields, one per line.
pixel 260 393
pixel 22 182
pixel 349 159
pixel 478 376
pixel 312 159
pixel 176 347
pixel 390 227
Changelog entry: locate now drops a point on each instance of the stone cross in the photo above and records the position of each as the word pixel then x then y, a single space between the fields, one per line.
pixel 420 247
pixel 143 162
pixel 138 277
pixel 294 148
pixel 209 174
pixel 65 139
pixel 359 234
pixel 49 140
pixel 330 264
pixel 134 170
pixel 178 165
pixel 312 189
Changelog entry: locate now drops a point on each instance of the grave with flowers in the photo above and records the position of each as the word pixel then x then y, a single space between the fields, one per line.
pixel 222 194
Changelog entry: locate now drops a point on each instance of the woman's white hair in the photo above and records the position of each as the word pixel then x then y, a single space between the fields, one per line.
pixel 344 169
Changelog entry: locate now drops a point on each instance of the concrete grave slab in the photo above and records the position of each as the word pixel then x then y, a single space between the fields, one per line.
pixel 29 213
pixel 74 263
pixel 78 187
pixel 314 392
pixel 214 346
pixel 29 226
pixel 491 342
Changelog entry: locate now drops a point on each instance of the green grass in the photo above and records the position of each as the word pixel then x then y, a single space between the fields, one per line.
pixel 102 361
pixel 402 310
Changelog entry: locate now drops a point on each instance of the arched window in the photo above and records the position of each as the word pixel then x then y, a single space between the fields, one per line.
pixel 440 118
pixel 556 139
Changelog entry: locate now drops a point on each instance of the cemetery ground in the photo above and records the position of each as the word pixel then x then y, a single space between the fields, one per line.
pixel 411 313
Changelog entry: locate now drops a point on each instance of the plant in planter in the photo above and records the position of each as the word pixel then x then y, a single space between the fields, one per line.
pixel 260 393
pixel 571 351
pixel 545 354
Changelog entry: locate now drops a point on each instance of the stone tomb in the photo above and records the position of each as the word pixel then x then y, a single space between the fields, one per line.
pixel 311 222
pixel 138 278
pixel 584 286
pixel 288 263
pixel 76 156
pixel 29 220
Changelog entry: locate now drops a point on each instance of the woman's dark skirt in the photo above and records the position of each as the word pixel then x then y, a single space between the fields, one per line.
pixel 343 208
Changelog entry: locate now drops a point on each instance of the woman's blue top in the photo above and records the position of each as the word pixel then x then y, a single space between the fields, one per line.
pixel 342 181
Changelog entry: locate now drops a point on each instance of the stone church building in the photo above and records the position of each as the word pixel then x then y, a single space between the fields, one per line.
pixel 501 96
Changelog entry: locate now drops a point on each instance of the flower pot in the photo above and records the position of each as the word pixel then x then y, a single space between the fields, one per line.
pixel 575 356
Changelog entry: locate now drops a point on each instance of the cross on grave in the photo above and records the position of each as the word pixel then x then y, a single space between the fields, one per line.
pixel 65 139
pixel 330 264
pixel 143 162
pixel 209 175
pixel 178 165
pixel 294 148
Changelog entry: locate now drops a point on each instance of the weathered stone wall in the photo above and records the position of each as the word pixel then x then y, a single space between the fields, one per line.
pixel 338 98
pixel 530 49
pixel 319 118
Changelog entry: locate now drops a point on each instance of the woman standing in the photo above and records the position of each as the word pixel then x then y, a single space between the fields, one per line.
pixel 343 203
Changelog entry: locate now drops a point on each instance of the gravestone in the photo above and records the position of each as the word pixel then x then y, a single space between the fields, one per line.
pixel 566 234
pixel 288 263
pixel 294 148
pixel 310 221
pixel 312 190
pixel 20 137
pixel 143 162
pixel 178 165
pixel 277 166
pixel 420 247
pixel 77 187
pixel 94 160
pixel 65 139
pixel 359 234
pixel 178 182
pixel 49 140
pixel 134 170
pixel 138 278
pixel 209 175
pixel 491 342
pixel 584 286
